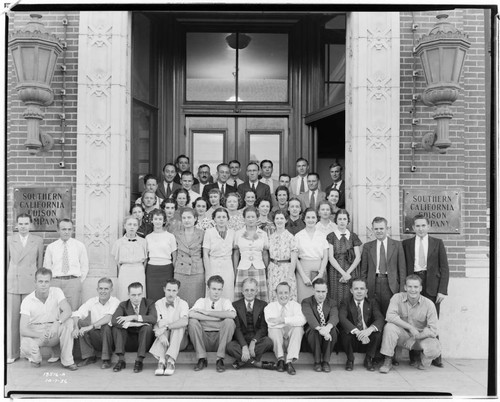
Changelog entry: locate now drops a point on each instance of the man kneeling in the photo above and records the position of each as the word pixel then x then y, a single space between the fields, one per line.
pixel 411 323
pixel 170 330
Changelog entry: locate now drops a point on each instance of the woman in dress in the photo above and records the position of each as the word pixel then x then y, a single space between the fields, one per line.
pixel 344 256
pixel 149 204
pixel 252 245
pixel 130 253
pixel 236 221
pixel 313 255
pixel 203 221
pixel 249 198
pixel 188 259
pixel 264 222
pixel 218 250
pixel 282 195
pixel 172 223
pixel 295 223
pixel 283 258
pixel 333 197
pixel 137 211
pixel 325 224
pixel 215 199
pixel 161 245
pixel 24 254
pixel 181 198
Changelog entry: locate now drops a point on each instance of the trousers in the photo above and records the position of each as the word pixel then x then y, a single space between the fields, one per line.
pixel 211 341
pixel 97 339
pixel 288 338
pixel 264 345
pixel 13 321
pixel 140 338
pixel 351 344
pixel 72 289
pixel 177 341
pixel 321 348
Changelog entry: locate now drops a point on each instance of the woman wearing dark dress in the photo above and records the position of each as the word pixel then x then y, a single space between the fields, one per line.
pixel 145 228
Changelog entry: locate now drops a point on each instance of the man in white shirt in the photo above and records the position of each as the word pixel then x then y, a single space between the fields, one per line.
pixel 168 186
pixel 313 195
pixel 221 183
pixel 298 184
pixel 67 259
pixel 97 335
pixel 235 169
pixel 285 322
pixel 187 180
pixel 182 164
pixel 45 321
pixel 337 183
pixel 211 324
pixel 170 330
pixel 266 169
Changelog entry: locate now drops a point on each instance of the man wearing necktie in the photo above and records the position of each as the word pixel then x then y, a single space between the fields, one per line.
pixel 133 323
pixel 67 259
pixel 313 195
pixel 266 168
pixel 321 329
pixel 262 190
pixel 361 324
pixel 171 328
pixel 426 257
pixel 221 184
pixel 168 186
pixel 250 336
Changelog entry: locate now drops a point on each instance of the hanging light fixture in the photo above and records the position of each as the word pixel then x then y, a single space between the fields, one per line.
pixel 238 40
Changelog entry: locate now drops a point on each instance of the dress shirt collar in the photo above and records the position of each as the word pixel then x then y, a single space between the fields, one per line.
pixel 383 241
pixel 405 298
pixel 251 304
pixel 339 235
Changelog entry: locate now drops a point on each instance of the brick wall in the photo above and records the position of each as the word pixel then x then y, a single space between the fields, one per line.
pixel 43 169
pixel 464 166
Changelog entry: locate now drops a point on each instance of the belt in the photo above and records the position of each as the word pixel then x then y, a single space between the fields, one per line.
pixel 42 323
pixel 66 277
pixel 381 275
pixel 279 261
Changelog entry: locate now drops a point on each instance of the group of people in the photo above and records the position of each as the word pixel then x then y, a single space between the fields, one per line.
pixel 250 267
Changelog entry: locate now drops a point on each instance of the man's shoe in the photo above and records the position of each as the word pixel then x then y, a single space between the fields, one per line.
pixel 71 367
pixel 386 367
pixel 368 363
pixel 395 362
pixel 219 366
pixel 160 369
pixel 437 362
pixel 349 365
pixel 414 357
pixel 317 367
pixel 36 364
pixel 237 364
pixel 106 364
pixel 202 363
pixel 170 369
pixel 290 369
pixel 87 361
pixel 11 360
pixel 268 365
pixel 280 366
pixel 138 366
pixel 325 366
pixel 119 366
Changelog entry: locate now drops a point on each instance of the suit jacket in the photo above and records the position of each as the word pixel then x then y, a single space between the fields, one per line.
pixel 305 198
pixel 147 311
pixel 228 189
pixel 310 311
pixel 348 314
pixel 438 272
pixel 276 183
pixel 23 262
pixel 241 333
pixel 263 191
pixel 396 266
pixel 294 184
pixel 341 201
pixel 160 192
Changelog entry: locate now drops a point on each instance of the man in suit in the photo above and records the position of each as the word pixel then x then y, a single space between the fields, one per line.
pixel 284 180
pixel 321 329
pixel 24 256
pixel 187 184
pixel 383 265
pixel 235 168
pixel 133 321
pixel 168 186
pixel 251 340
pixel 426 257
pixel 266 168
pixel 313 195
pixel 150 184
pixel 338 183
pixel 182 165
pixel 361 324
pixel 68 260
pixel 97 335
pixel 204 177
pixel 211 324
pixel 298 184
pixel 221 184
pixel 261 190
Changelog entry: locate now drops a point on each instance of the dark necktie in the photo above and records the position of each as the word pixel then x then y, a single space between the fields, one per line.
pixel 223 189
pixel 383 262
pixel 234 183
pixel 302 186
pixel 249 307
pixel 253 186
pixel 136 309
pixel 342 238
pixel 312 201
pixel 359 321
pixel 322 321
pixel 169 190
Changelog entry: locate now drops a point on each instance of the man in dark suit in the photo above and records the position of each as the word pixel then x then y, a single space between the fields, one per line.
pixel 261 189
pixel 133 320
pixel 338 183
pixel 250 336
pixel 204 177
pixel 182 165
pixel 361 324
pixel 168 186
pixel 321 332
pixel 383 265
pixel 221 184
pixel 426 257
pixel 313 195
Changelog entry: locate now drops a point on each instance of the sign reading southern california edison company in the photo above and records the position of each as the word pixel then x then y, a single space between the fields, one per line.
pixel 440 207
pixel 46 205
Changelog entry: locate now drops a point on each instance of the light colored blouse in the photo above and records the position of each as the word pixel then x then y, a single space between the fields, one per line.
pixel 217 246
pixel 130 251
pixel 326 229
pixel 311 248
pixel 160 248
pixel 251 249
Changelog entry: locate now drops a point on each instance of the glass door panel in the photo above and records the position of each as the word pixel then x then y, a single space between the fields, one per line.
pixel 266 146
pixel 208 149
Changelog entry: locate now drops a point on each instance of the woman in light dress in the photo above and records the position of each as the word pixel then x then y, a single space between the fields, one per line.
pixel 325 224
pixel 204 221
pixel 236 221
pixel 312 255
pixel 218 251
pixel 283 258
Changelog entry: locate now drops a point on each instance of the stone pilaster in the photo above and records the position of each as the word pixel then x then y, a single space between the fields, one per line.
pixel 372 120
pixel 103 141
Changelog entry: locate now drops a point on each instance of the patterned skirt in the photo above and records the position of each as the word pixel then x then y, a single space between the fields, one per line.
pixel 336 290
pixel 259 275
pixel 277 273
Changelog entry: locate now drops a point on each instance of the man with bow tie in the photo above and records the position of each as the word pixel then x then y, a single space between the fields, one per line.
pixel 322 317
pixel 251 340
